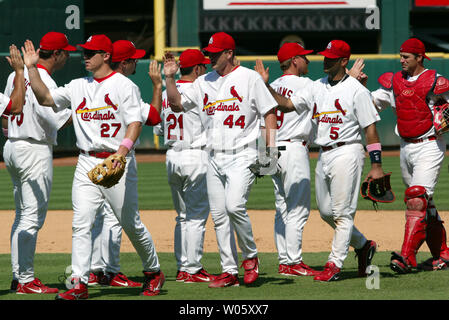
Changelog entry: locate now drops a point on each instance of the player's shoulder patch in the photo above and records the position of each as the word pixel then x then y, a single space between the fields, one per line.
pixel 441 85
pixel 386 80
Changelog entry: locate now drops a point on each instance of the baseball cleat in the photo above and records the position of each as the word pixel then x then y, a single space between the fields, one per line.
pixel 251 267
pixel 433 264
pixel 365 256
pixel 330 273
pixel 225 280
pixel 200 276
pixel 181 276
pixel 399 264
pixel 120 280
pixel 14 285
pixel 78 292
pixel 94 278
pixel 301 269
pixel 35 286
pixel 153 283
pixel 283 269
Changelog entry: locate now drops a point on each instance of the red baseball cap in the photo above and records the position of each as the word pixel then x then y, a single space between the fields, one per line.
pixel 337 49
pixel 124 49
pixel 98 42
pixel 220 41
pixel 55 41
pixel 414 45
pixel 192 57
pixel 290 50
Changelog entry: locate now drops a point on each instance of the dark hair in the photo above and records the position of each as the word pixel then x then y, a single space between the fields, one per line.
pixel 45 54
pixel 186 71
pixel 114 65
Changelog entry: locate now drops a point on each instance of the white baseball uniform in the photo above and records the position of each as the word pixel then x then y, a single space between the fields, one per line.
pixel 230 107
pixel 102 109
pixel 186 162
pixel 28 155
pixel 292 181
pixel 340 112
pixel 420 162
pixel 107 231
pixel 5 105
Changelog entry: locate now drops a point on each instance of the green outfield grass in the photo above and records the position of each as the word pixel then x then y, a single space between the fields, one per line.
pixel 154 192
pixel 270 285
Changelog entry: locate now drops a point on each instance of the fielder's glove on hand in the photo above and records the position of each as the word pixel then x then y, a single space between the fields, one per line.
pixel 441 118
pixel 378 190
pixel 266 164
pixel 104 174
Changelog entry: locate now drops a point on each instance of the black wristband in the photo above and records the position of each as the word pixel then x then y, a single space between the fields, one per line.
pixel 375 156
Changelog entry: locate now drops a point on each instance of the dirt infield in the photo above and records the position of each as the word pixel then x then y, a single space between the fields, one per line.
pixel 385 227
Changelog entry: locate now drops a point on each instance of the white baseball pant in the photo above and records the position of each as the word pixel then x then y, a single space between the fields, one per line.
pixel 87 200
pixel 229 182
pixel 292 196
pixel 337 183
pixel 30 165
pixel 186 172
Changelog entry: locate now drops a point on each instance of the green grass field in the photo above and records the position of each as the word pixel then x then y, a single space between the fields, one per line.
pixel 154 193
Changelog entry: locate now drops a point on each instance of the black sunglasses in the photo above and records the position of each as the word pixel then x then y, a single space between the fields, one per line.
pixel 90 53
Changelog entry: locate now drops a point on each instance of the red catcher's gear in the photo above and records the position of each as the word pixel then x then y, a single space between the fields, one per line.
pixel 414 116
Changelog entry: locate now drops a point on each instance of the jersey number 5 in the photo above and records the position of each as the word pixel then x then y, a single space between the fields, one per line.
pixel 173 125
pixel 334 133
pixel 105 128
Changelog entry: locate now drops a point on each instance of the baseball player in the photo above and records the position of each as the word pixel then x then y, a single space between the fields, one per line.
pixel 341 107
pixel 230 100
pixel 107 119
pixel 416 91
pixel 292 181
pixel 107 231
pixel 186 162
pixel 28 155
pixel 13 105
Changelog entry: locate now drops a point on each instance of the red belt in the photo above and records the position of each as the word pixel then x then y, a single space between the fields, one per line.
pixel 338 144
pixel 431 138
pixel 102 155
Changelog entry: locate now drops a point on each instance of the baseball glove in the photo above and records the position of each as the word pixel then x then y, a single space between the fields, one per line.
pixel 266 164
pixel 441 118
pixel 104 174
pixel 378 190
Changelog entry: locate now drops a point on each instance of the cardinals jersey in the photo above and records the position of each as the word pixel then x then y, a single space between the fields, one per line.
pixel 181 130
pixel 5 104
pixel 339 111
pixel 102 109
pixel 37 122
pixel 232 104
pixel 291 125
pixel 384 98
pixel 150 116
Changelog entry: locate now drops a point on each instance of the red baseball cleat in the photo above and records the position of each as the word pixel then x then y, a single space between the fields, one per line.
pixel 200 276
pixel 181 276
pixel 225 280
pixel 78 292
pixel 302 269
pixel 283 269
pixel 153 283
pixel 94 278
pixel 365 256
pixel 120 280
pixel 433 264
pixel 400 264
pixel 35 286
pixel 251 267
pixel 330 273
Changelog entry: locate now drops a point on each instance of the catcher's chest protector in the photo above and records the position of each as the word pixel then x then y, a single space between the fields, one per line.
pixel 414 116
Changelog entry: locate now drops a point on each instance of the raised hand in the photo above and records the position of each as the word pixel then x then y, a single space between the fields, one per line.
pixel 357 68
pixel 260 68
pixel 30 56
pixel 15 59
pixel 154 71
pixel 170 65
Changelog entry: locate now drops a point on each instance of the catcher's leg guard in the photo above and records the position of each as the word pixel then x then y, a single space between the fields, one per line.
pixel 415 229
pixel 436 234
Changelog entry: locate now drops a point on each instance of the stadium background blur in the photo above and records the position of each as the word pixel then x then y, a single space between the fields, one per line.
pixel 374 29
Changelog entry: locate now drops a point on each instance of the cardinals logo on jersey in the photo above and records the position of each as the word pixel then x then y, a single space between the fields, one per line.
pixel 235 94
pixel 338 106
pixel 109 102
pixel 82 105
pixel 205 100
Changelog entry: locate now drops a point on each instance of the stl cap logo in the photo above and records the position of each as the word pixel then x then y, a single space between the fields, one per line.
pixel 329 45
pixel 133 44
pixel 90 38
pixel 211 40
